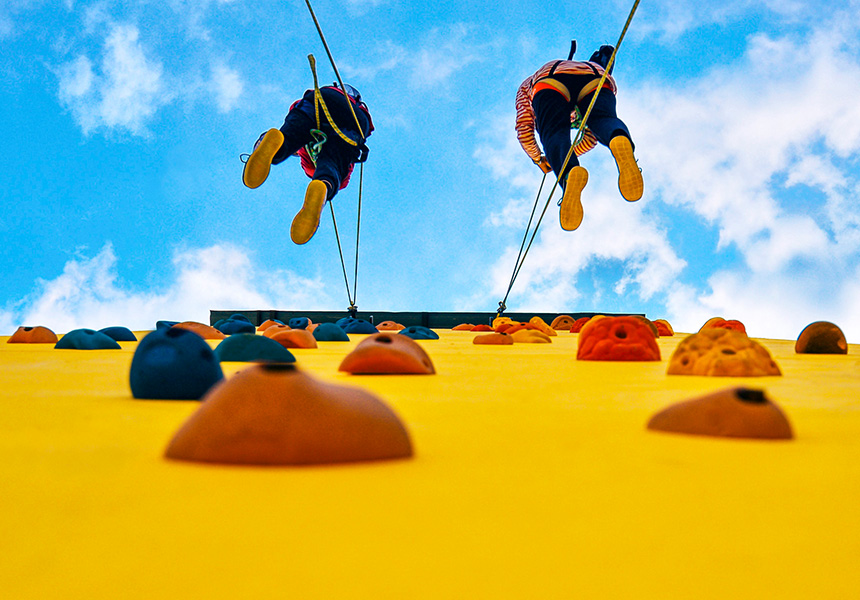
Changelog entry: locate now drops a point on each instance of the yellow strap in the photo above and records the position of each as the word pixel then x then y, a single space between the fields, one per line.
pixel 318 101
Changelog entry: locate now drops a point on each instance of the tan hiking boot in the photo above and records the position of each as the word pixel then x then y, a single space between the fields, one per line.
pixel 570 211
pixel 260 161
pixel 307 220
pixel 630 182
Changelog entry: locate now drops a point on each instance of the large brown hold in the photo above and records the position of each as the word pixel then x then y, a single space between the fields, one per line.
pixel 273 414
pixel 33 335
pixel 732 412
pixel 821 337
pixel 719 352
pixel 563 322
pixel 388 354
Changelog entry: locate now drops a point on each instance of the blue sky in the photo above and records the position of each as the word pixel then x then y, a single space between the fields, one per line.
pixel 124 122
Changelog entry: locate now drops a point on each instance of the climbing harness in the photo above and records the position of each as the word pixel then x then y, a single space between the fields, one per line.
pixel 521 257
pixel 360 145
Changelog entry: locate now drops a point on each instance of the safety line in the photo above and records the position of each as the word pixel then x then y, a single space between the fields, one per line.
pixel 351 297
pixel 522 257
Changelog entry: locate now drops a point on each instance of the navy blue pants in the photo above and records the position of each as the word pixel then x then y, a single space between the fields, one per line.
pixel 552 120
pixel 336 156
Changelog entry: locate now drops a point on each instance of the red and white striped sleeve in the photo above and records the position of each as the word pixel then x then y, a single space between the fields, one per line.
pixel 526 121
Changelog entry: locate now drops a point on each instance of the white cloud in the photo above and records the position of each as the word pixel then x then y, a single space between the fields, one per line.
pixel 127 91
pixel 226 86
pixel 89 294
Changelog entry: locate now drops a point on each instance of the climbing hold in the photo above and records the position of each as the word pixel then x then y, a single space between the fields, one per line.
pixel 207 332
pixel 719 352
pixel 247 347
pixel 299 322
pixel 820 337
pixel 418 332
pixel 664 328
pixel 268 323
pixel 390 326
pixel 330 332
pixel 86 339
pixel 617 338
pixel 732 412
pixel 273 330
pixel 119 334
pixel 579 324
pixel 159 325
pixel 388 353
pixel 649 323
pixel 295 338
pixel 273 414
pixel 359 326
pixel 173 364
pixel 721 323
pixel 501 320
pixel 530 336
pixel 542 326
pixel 33 335
pixel 233 326
pixel 562 322
pixel 493 339
pixel 462 327
pixel 481 327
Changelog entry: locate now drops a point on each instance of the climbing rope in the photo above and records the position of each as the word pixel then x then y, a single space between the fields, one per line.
pixel 521 257
pixel 319 102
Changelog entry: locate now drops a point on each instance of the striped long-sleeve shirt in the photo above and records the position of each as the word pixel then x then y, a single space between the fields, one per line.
pixel 525 113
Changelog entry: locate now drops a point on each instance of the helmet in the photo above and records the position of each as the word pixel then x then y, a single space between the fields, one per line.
pixel 350 91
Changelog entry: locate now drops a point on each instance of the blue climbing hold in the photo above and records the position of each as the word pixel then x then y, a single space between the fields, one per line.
pixel 330 332
pixel 418 332
pixel 246 347
pixel 173 364
pixel 240 317
pixel 299 323
pixel 86 339
pixel 358 326
pixel 161 325
pixel 120 334
pixel 232 326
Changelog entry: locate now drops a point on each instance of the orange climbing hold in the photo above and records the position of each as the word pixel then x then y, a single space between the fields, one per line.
pixel 390 326
pixel 462 327
pixel 579 324
pixel 33 335
pixel 719 352
pixel 207 332
pixel 664 328
pixel 493 339
pixel 617 338
pixel 295 338
pixel 562 323
pixel 388 353
pixel 273 414
pixel 720 323
pixel 530 336
pixel 542 326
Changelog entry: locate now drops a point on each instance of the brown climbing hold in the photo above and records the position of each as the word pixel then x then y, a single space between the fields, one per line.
pixel 617 338
pixel 512 328
pixel 821 337
pixel 462 327
pixel 274 414
pixel 732 412
pixel 664 328
pixel 390 326
pixel 33 335
pixel 388 353
pixel 207 332
pixel 562 322
pixel 295 338
pixel 494 339
pixel 719 352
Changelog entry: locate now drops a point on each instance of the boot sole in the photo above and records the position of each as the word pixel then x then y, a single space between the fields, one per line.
pixel 570 212
pixel 307 220
pixel 630 182
pixel 260 161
